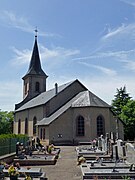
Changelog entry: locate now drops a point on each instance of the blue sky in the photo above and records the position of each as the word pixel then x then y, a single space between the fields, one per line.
pixel 89 40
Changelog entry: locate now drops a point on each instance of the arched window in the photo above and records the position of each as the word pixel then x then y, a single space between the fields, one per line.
pixel 19 126
pixel 100 126
pixel 37 87
pixel 80 126
pixel 26 126
pixel 34 125
pixel 41 133
pixel 44 133
pixel 25 86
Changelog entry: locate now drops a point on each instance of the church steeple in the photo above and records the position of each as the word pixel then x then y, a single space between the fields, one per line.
pixel 35 78
pixel 35 64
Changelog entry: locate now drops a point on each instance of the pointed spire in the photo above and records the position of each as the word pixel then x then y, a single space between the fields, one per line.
pixel 35 64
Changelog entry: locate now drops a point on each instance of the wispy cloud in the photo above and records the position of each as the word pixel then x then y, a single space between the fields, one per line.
pixel 126 58
pixel 107 54
pixel 126 30
pixel 21 57
pixel 130 65
pixel 10 19
pixel 55 54
pixel 58 52
pixel 130 2
pixel 104 70
pixel 97 55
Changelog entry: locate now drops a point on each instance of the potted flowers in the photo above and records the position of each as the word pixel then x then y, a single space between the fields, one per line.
pixel 13 173
pixel 27 177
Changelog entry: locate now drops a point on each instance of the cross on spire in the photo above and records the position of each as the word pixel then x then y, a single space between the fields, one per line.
pixel 36 31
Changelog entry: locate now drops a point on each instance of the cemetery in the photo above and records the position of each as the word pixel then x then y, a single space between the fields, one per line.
pixel 25 172
pixel 26 162
pixel 108 159
pixel 102 158
pixel 39 158
pixel 36 154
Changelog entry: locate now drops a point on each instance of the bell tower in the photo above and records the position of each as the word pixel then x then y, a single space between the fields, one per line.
pixel 34 82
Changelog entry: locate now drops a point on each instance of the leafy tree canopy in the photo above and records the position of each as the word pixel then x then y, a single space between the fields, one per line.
pixel 6 122
pixel 128 116
pixel 124 108
pixel 121 99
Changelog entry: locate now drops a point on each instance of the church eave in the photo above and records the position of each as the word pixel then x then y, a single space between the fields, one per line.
pixel 28 74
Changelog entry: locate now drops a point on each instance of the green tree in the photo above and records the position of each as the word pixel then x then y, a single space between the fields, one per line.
pixel 121 99
pixel 6 122
pixel 128 116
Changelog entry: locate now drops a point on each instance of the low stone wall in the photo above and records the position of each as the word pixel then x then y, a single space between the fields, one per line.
pixel 8 158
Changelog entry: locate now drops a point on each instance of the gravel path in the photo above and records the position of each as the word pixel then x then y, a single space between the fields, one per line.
pixel 66 167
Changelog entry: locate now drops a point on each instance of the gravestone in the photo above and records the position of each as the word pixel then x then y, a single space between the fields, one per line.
pixel 107 143
pixel 99 143
pixel 130 153
pixel 124 151
pixel 108 171
pixel 120 148
pixel 115 152
pixel 103 143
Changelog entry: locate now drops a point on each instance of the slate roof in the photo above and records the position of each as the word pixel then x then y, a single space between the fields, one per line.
pixel 43 97
pixel 35 64
pixel 83 99
pixel 89 99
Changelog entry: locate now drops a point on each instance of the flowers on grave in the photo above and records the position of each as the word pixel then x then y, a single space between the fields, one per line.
pixel 50 148
pixel 81 160
pixel 13 173
pixel 27 177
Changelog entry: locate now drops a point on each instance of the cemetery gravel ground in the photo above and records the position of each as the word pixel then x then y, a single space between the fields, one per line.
pixel 66 166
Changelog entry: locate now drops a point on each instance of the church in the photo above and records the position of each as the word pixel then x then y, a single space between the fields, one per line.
pixel 68 113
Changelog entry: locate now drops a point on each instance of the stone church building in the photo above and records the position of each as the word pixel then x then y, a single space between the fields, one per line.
pixel 68 113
